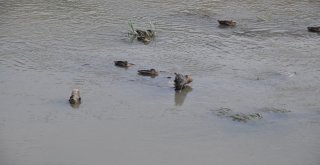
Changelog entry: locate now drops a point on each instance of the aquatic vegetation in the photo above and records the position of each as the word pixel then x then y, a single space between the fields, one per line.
pixel 241 117
pixel 223 111
pixel 275 110
pixel 144 36
pixel 245 117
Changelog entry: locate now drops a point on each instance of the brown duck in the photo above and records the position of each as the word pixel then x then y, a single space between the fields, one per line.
pixel 124 64
pixel 315 29
pixel 181 81
pixel 75 97
pixel 230 23
pixel 145 36
pixel 151 72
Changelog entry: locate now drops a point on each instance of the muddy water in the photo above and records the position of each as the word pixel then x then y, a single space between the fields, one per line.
pixel 268 60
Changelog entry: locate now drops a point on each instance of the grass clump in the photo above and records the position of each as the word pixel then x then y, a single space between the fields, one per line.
pixel 245 117
pixel 275 110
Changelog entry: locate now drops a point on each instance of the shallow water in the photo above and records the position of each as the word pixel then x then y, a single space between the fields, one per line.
pixel 269 60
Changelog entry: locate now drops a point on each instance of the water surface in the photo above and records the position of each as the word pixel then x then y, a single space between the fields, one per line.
pixel 269 60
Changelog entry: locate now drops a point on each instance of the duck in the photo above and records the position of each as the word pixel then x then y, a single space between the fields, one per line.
pixel 315 29
pixel 181 81
pixel 75 97
pixel 152 72
pixel 230 23
pixel 123 64
pixel 148 33
pixel 145 36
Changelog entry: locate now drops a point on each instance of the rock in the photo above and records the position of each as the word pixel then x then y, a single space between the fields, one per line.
pixel 75 97
pixel 181 81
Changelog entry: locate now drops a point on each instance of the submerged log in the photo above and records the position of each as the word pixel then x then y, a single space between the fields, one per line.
pixel 230 23
pixel 181 81
pixel 75 97
pixel 315 29
pixel 123 64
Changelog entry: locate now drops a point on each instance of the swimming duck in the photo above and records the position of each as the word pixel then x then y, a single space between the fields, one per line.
pixel 148 33
pixel 145 36
pixel 314 29
pixel 123 64
pixel 181 81
pixel 75 97
pixel 230 23
pixel 151 72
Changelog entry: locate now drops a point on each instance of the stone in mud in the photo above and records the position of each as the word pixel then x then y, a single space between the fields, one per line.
pixel 75 98
pixel 181 81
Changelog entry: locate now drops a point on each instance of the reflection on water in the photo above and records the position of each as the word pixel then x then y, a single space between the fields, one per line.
pixel 269 59
pixel 75 106
pixel 181 95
